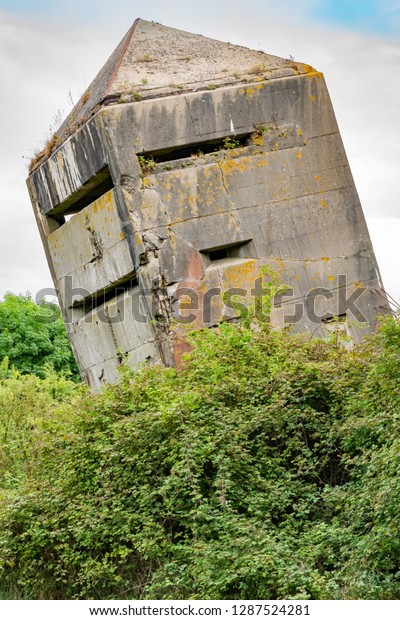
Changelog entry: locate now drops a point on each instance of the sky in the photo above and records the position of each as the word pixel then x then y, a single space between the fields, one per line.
pixel 50 50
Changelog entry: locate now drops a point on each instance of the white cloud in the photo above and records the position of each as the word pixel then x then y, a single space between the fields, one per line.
pixel 38 65
pixel 385 234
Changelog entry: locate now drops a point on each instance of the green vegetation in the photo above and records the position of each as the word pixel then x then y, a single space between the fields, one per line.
pixel 231 143
pixel 147 164
pixel 266 128
pixel 267 467
pixel 33 337
pixel 27 406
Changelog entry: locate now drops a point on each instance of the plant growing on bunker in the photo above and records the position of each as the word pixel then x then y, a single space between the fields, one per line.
pixel 257 69
pixel 147 164
pixel 146 58
pixel 231 143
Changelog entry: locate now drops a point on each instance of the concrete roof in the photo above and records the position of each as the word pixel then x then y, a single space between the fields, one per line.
pixel 153 60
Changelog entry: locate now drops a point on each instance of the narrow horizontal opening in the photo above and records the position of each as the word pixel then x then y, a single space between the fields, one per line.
pixel 239 249
pixel 218 254
pixel 87 304
pixel 98 185
pixel 335 318
pixel 148 159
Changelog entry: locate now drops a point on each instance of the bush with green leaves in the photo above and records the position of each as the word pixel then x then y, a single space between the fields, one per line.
pixel 265 468
pixel 33 336
pixel 27 406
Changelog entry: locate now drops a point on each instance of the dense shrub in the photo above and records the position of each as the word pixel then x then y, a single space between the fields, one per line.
pixel 33 337
pixel 266 468
pixel 27 406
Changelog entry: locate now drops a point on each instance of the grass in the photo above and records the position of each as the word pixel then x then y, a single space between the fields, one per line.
pixel 257 69
pixel 146 58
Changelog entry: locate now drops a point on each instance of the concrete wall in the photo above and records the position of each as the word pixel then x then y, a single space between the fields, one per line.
pixel 284 197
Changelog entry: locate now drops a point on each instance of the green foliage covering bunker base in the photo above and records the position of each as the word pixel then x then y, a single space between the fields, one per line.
pixel 265 469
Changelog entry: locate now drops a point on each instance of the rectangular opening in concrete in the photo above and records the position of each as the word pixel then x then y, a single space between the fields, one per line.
pixel 334 318
pixel 91 302
pixel 93 189
pixel 239 249
pixel 196 148
pixel 218 254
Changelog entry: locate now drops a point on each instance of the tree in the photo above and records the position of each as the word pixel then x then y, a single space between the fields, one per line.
pixel 33 336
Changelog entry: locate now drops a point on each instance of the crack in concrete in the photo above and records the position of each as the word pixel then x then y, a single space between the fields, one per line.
pixel 224 185
pixel 150 246
pixel 272 202
pixel 183 238
pixel 322 135
pixel 95 241
pixel 161 201
pixel 106 251
pixel 155 189
pixel 325 259
pixel 118 354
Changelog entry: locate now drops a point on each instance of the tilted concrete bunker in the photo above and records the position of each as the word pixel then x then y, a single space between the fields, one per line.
pixel 187 165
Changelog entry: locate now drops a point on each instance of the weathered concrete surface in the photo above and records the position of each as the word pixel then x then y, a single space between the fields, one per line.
pixel 180 199
pixel 72 172
pixel 91 247
pixel 153 61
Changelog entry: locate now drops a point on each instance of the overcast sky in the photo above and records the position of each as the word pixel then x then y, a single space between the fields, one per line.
pixel 50 50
